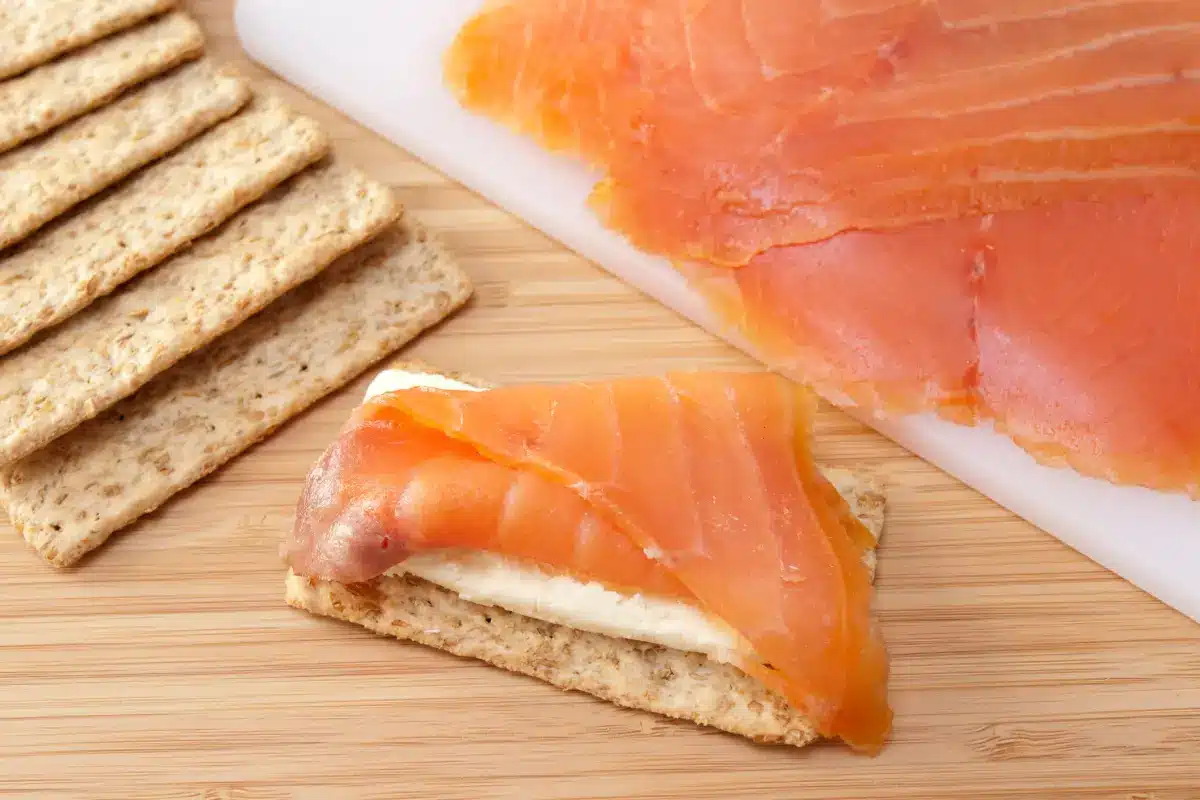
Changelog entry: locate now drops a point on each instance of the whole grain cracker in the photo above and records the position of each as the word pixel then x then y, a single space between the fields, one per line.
pixel 115 346
pixel 54 93
pixel 44 178
pixel 34 31
pixel 87 254
pixel 637 675
pixel 68 498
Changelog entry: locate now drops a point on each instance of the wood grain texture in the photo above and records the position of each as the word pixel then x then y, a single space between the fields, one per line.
pixel 169 667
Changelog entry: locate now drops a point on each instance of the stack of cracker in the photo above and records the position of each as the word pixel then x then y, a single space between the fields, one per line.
pixel 183 266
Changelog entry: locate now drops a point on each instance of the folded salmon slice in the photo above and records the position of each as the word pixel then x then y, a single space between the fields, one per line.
pixel 388 488
pixel 728 127
pixel 697 486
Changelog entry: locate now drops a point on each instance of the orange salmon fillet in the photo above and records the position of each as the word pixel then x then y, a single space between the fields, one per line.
pixel 727 127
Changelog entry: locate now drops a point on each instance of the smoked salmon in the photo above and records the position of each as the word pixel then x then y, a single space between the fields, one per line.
pixel 1025 319
pixel 727 127
pixel 695 486
pixel 987 210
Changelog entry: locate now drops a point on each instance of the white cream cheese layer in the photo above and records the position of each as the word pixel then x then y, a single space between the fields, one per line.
pixel 395 380
pixel 494 580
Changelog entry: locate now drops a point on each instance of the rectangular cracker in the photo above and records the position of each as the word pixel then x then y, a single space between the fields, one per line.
pixel 48 96
pixel 45 178
pixel 645 677
pixel 86 254
pixel 34 31
pixel 70 497
pixel 119 343
pixel 636 675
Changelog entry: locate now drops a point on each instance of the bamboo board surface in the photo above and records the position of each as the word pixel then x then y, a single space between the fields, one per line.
pixel 167 665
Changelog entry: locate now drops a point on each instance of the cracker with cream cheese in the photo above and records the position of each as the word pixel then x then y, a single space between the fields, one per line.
pixel 640 675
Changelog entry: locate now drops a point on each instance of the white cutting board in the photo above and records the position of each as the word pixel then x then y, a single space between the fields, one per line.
pixel 379 61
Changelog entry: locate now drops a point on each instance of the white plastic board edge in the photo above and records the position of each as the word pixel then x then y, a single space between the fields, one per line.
pixel 379 62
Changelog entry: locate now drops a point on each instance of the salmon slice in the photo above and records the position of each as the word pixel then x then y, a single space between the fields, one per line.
pixel 1089 336
pixel 1071 327
pixel 386 489
pixel 729 127
pixel 882 320
pixel 555 96
pixel 698 486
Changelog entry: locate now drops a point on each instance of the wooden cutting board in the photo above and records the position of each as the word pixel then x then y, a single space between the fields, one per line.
pixel 167 666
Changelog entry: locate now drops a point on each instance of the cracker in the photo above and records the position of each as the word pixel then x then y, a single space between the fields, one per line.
pixel 119 343
pixel 85 255
pixel 46 177
pixel 637 675
pixel 68 498
pixel 55 93
pixel 647 677
pixel 34 31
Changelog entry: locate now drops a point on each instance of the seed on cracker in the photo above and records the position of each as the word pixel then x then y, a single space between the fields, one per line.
pixel 70 497
pixel 46 97
pixel 116 345
pixel 34 31
pixel 46 177
pixel 85 255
